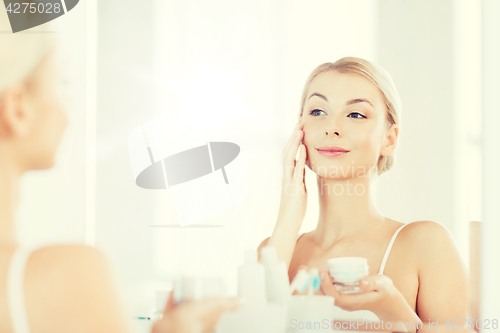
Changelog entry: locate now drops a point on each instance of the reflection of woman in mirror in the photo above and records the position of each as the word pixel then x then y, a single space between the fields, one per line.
pixel 353 105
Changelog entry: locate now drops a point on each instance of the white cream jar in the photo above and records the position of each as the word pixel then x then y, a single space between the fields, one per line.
pixel 346 273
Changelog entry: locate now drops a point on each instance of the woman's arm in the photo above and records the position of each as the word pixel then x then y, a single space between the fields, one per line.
pixel 283 238
pixel 443 279
pixel 293 199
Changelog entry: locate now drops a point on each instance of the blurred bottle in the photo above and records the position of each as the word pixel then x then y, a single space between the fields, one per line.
pixel 255 315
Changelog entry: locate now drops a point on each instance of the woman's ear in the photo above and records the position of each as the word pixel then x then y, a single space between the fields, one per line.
pixel 391 140
pixel 16 116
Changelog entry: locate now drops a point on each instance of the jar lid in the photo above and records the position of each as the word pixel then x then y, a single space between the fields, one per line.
pixel 347 264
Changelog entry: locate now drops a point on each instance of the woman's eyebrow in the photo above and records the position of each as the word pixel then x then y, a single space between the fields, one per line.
pixel 352 101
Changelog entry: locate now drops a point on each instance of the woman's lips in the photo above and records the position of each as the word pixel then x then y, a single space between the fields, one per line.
pixel 332 153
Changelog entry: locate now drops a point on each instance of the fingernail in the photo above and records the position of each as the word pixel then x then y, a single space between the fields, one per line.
pixel 322 276
pixel 364 283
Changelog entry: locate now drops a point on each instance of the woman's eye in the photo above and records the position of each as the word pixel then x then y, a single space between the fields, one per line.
pixel 359 114
pixel 313 112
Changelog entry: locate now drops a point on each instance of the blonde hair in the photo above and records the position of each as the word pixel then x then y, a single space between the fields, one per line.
pixel 21 52
pixel 380 78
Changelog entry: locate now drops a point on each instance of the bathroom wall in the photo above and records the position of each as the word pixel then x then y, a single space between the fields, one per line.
pixel 415 45
pixel 432 49
pixel 123 211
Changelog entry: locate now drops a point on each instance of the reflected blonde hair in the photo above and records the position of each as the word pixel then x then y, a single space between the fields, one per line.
pixel 376 75
pixel 21 52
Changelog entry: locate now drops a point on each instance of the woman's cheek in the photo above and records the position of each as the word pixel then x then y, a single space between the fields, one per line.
pixel 370 152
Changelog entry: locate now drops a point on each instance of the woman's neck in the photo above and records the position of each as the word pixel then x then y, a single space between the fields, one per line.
pixel 9 194
pixel 346 210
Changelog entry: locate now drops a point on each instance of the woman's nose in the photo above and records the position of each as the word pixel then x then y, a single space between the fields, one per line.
pixel 333 128
pixel 334 133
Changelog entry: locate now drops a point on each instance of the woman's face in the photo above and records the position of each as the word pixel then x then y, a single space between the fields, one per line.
pixel 346 111
pixel 46 98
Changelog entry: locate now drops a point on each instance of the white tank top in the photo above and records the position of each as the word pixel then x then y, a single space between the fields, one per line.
pixel 365 314
pixel 15 289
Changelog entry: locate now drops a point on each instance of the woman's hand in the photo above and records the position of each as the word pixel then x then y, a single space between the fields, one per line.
pixel 193 316
pixel 293 200
pixel 379 296
pixel 293 188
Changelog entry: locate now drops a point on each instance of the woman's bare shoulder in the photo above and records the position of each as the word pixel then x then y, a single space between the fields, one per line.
pixel 64 249
pixel 424 230
pixel 441 270
pixel 428 238
pixel 77 282
pixel 65 258
pixel 65 268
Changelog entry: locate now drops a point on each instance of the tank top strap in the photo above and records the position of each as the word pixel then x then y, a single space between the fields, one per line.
pixel 15 289
pixel 389 247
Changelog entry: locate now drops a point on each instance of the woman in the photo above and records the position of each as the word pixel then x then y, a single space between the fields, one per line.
pixel 61 288
pixel 353 106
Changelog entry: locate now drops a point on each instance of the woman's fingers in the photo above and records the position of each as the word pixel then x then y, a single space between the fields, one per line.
pixel 302 267
pixel 289 161
pixel 378 287
pixel 290 152
pixel 291 139
pixel 327 285
pixel 379 282
pixel 300 166
pixel 346 302
pixel 209 310
pixel 170 302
